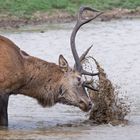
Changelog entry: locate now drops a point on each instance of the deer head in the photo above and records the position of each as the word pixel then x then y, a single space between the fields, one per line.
pixel 72 91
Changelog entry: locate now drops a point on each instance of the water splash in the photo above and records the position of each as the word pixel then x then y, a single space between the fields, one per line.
pixel 110 105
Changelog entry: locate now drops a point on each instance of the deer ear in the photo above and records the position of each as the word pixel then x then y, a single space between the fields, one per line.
pixel 63 64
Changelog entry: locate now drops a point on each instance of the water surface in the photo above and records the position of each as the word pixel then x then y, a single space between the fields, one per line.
pixel 116 45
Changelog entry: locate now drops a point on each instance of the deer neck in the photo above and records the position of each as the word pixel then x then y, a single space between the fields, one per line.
pixel 42 81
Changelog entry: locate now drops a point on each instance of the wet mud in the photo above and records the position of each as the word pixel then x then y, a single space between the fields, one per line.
pixel 108 106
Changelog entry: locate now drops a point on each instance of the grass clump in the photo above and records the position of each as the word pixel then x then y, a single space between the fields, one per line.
pixel 29 7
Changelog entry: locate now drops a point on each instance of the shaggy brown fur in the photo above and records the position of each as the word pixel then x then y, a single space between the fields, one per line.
pixel 49 83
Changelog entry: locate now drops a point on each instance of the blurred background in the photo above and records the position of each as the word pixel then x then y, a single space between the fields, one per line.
pixel 36 11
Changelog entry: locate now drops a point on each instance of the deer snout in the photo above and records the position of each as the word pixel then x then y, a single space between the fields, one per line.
pixel 85 105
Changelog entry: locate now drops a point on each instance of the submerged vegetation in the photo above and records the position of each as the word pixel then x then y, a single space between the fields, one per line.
pixel 29 7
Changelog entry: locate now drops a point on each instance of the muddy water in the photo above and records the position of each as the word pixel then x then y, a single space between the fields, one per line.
pixel 116 47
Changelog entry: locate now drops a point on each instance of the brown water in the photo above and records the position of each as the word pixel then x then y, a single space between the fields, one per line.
pixel 116 45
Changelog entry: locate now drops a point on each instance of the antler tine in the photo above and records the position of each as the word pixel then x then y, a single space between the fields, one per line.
pixel 79 23
pixel 82 9
pixel 91 74
pixel 89 87
pixel 82 57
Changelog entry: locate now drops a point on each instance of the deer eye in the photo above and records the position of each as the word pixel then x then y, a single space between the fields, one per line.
pixel 79 81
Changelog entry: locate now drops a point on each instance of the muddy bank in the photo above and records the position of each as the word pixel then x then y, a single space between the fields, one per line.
pixel 7 20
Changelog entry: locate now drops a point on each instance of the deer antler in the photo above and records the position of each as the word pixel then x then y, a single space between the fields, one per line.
pixel 80 22
pixel 89 86
pixel 83 56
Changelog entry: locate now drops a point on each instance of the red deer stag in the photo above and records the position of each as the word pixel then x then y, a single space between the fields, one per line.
pixel 49 83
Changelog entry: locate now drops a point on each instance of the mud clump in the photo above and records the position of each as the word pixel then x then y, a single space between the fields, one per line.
pixel 108 106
